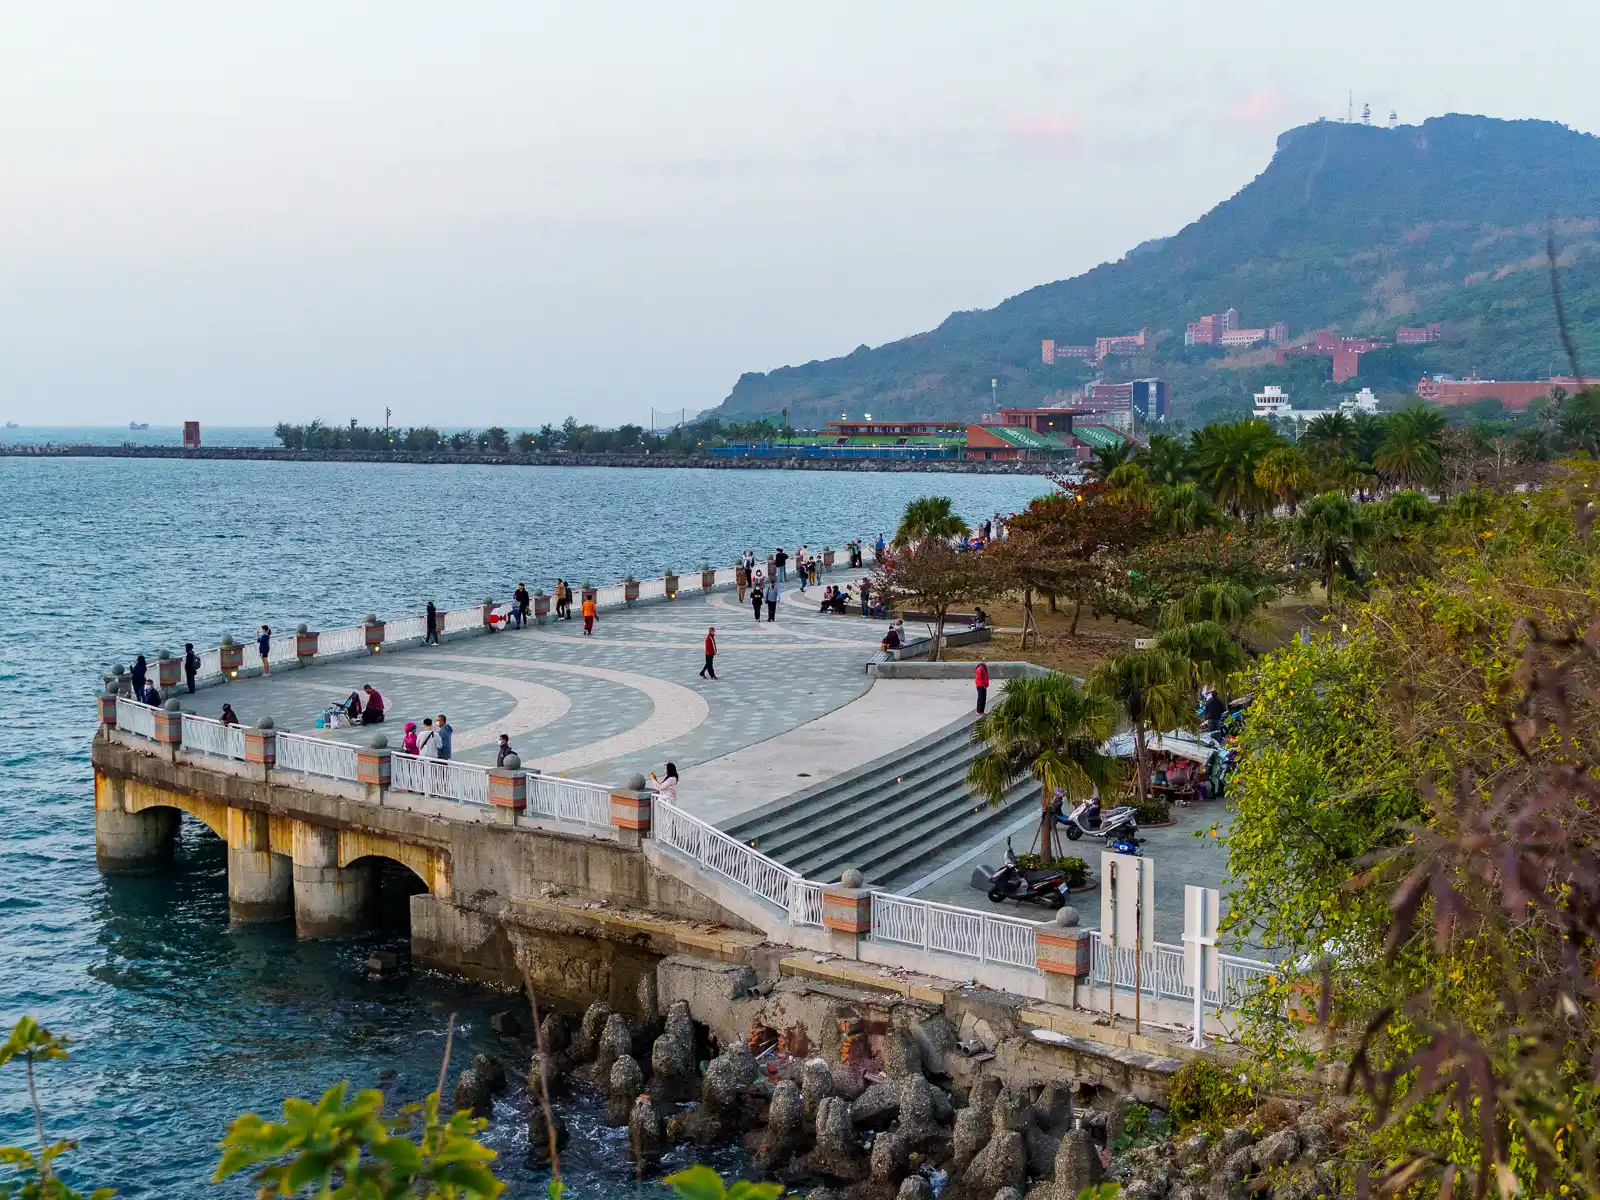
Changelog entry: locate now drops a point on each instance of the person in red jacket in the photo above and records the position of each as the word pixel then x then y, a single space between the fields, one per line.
pixel 980 678
pixel 709 671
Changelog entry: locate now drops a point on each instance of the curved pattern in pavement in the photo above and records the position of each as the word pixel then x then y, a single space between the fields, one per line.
pixel 536 705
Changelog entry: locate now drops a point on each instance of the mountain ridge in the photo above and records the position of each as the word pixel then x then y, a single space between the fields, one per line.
pixel 1357 228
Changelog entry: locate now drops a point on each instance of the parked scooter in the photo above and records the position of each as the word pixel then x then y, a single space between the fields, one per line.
pixel 1118 827
pixel 1047 887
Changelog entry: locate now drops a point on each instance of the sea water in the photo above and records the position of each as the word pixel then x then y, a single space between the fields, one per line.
pixel 179 1022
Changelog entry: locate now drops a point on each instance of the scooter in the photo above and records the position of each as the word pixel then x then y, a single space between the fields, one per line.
pixel 1118 827
pixel 1010 882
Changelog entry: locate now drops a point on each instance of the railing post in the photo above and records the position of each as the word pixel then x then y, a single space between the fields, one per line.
pixel 1064 954
pixel 708 577
pixel 541 607
pixel 630 591
pixel 488 614
pixel 374 768
pixel 631 811
pixel 305 646
pixel 107 703
pixel 230 656
pixel 670 580
pixel 372 634
pixel 261 747
pixel 508 789
pixel 168 671
pixel 847 913
pixel 169 728
pixel 827 558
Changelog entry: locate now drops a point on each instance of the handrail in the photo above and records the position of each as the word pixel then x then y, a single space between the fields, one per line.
pixel 745 865
pixel 439 777
pixel 562 799
pixel 317 756
pixel 206 735
pixel 136 717
pixel 948 929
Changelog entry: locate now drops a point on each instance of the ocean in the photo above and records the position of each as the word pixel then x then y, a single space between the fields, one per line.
pixel 180 1023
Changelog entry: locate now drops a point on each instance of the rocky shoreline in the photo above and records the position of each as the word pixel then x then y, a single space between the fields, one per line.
pixel 883 1121
pixel 475 458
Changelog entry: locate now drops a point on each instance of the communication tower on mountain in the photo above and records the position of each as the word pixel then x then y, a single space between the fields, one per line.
pixel 1366 114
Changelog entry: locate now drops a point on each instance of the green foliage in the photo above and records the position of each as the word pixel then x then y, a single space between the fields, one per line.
pixel 346 1148
pixel 702 1183
pixel 1207 1094
pixel 1075 868
pixel 929 517
pixel 32 1174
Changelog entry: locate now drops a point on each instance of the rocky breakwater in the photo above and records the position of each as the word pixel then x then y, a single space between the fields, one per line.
pixel 881 1121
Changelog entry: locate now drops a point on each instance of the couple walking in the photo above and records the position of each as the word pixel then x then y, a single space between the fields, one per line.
pixel 765 591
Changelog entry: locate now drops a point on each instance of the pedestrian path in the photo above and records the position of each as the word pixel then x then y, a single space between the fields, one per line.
pixel 626 699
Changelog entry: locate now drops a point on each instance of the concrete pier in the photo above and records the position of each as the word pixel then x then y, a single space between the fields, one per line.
pixel 128 842
pixel 260 883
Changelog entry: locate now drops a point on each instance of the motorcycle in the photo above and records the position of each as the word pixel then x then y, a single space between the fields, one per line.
pixel 1118 827
pixel 1047 887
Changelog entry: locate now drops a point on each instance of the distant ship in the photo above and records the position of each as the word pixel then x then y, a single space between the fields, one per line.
pixel 12 425
pixel 138 424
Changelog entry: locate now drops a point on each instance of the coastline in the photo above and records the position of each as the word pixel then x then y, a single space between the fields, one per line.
pixel 470 458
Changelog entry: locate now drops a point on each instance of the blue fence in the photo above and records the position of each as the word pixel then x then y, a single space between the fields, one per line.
pixel 764 450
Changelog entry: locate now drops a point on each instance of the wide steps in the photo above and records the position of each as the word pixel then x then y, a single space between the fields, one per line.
pixel 908 859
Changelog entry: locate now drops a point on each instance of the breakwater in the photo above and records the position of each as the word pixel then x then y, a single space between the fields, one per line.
pixel 475 458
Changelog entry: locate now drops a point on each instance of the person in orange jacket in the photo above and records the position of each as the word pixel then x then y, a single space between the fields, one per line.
pixel 980 679
pixel 588 615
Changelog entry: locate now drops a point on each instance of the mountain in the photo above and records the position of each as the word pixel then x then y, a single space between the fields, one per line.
pixel 1350 227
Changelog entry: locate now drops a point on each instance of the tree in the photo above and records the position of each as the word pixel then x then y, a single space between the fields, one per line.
pixel 1579 421
pixel 929 517
pixel 1285 473
pixel 1164 460
pixel 1409 453
pixel 1335 529
pixel 1182 508
pixel 1330 436
pixel 1051 728
pixel 1151 687
pixel 1234 606
pixel 1066 544
pixel 496 440
pixel 1107 459
pixel 1225 458
pixel 935 577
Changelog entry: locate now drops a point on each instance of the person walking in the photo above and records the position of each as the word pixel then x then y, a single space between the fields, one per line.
pixel 772 597
pixel 709 671
pixel 503 750
pixel 980 680
pixel 442 735
pixel 137 674
pixel 191 665
pixel 741 578
pixel 780 560
pixel 755 597
pixel 589 612
pixel 431 636
pixel 264 648
pixel 523 602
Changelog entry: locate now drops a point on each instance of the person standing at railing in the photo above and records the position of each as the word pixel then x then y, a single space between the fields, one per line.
pixel 780 561
pixel 229 717
pixel 523 599
pixel 264 648
pixel 563 601
pixel 590 611
pixel 503 750
pixel 425 746
pixel 709 671
pixel 152 694
pixel 408 743
pixel 442 736
pixel 430 636
pixel 137 674
pixel 666 789
pixel 191 665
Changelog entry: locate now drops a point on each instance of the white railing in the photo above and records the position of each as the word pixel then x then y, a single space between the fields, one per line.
pixel 569 800
pixel 205 735
pixel 439 777
pixel 726 576
pixel 613 595
pixel 805 904
pixel 210 664
pixel 1161 972
pixel 316 756
pixel 655 589
pixel 347 640
pixel 134 717
pixel 1239 976
pixel 709 846
pixel 946 929
pixel 460 620
pixel 405 629
pixel 283 649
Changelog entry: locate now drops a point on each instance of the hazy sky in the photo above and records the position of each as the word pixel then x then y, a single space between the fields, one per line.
pixel 508 212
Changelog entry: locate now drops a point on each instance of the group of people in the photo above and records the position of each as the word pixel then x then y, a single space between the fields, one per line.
pixel 434 739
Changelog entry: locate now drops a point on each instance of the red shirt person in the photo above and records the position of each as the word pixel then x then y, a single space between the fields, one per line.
pixel 980 680
pixel 709 671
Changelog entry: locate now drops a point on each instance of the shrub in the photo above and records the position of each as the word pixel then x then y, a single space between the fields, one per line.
pixel 1204 1093
pixel 1077 871
pixel 1153 810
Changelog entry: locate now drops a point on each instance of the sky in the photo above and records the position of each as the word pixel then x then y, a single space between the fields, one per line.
pixel 503 213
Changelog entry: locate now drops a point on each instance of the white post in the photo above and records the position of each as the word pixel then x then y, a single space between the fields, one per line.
pixel 1201 908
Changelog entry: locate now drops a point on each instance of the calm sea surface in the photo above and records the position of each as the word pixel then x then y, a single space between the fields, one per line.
pixel 179 1022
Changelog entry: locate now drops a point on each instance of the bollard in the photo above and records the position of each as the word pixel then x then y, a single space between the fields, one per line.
pixel 169 671
pixel 231 656
pixel 508 789
pixel 372 634
pixel 630 591
pixel 107 701
pixel 671 578
pixel 847 912
pixel 1062 951
pixel 261 745
pixel 630 811
pixel 373 766
pixel 541 607
pixel 708 577
pixel 169 725
pixel 305 646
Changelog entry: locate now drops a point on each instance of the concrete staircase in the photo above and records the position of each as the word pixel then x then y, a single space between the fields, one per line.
pixel 895 819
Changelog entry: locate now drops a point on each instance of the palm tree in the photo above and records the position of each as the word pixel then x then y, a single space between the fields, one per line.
pixel 1410 451
pixel 929 516
pixel 1151 687
pixel 1579 421
pixel 1129 482
pixel 1107 459
pixel 1332 435
pixel 1051 728
pixel 1285 473
pixel 1336 528
pixel 1207 651
pixel 1225 458
pixel 1232 605
pixel 1163 460
pixel 1182 508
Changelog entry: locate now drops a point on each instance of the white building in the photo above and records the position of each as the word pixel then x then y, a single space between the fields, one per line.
pixel 1273 403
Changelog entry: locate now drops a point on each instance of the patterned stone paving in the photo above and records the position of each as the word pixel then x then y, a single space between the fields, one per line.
pixel 628 698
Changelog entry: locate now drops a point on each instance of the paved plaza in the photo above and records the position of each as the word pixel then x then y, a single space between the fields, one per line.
pixel 628 698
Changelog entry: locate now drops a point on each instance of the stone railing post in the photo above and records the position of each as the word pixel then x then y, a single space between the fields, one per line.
pixel 1064 953
pixel 305 646
pixel 847 912
pixel 107 701
pixel 508 789
pixel 630 812
pixel 373 765
pixel 586 592
pixel 827 558
pixel 169 728
pixel 261 746
pixel 231 656
pixel 168 671
pixel 708 577
pixel 372 631
pixel 630 591
pixel 488 614
pixel 541 607
pixel 671 580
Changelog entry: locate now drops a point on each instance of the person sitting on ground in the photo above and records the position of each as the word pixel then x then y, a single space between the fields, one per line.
pixel 667 788
pixel 891 640
pixel 503 750
pixel 373 713
pixel 228 717
pixel 352 707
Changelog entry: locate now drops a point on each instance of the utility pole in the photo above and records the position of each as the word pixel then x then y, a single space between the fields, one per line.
pixel 994 395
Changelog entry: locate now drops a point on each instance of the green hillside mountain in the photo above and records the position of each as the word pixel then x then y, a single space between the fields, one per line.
pixel 1350 227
